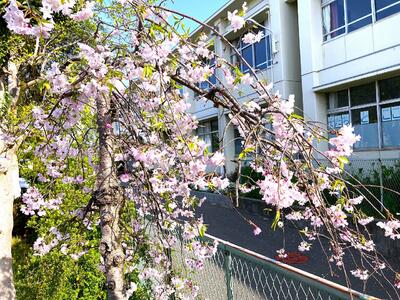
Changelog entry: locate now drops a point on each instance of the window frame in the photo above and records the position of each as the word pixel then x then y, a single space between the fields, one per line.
pixel 207 84
pixel 374 18
pixel 347 24
pixel 378 106
pixel 383 9
pixel 325 4
pixel 240 46
pixel 209 133
pixel 237 139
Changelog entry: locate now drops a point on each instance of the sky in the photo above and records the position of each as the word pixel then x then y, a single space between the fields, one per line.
pixel 199 9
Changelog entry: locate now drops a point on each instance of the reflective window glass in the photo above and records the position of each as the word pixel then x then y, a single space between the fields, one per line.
pixel 247 54
pixel 363 94
pixel 260 53
pixel 385 8
pixel 357 9
pixel 390 116
pixel 389 88
pixel 333 19
pixel 365 124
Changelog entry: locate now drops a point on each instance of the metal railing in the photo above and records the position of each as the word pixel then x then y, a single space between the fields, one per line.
pixel 238 273
pixel 380 180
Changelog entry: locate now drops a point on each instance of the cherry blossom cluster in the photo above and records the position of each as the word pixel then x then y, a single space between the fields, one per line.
pixel 20 24
pixel 34 203
pixel 156 158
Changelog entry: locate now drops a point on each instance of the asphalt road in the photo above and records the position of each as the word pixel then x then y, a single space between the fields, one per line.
pixel 226 223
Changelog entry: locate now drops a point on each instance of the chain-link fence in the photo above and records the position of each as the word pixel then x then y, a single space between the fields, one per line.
pixel 380 181
pixel 237 273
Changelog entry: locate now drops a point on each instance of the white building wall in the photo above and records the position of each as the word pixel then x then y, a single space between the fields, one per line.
pixel 369 53
pixel 280 19
pixel 285 25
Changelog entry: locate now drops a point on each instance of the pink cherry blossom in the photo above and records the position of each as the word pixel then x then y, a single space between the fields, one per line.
pixel 356 201
pixel 237 22
pixel 365 221
pixel 361 274
pixel 125 178
pixel 338 217
pixel 256 230
pixel 343 143
pixel 85 13
pixel 217 159
pixel 247 79
pixel 304 246
pixel 281 253
pixel 220 183
pixel 250 38
pixel 16 20
pixel 282 193
pixel 392 228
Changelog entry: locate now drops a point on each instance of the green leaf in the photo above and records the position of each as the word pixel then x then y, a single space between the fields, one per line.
pixel 343 160
pixel 191 146
pixel 238 72
pixel 296 116
pixel 276 219
pixel 338 184
pixel 148 71
pixel 44 85
pixel 202 230
pixel 158 28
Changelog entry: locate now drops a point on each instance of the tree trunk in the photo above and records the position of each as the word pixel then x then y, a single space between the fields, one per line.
pixel 9 190
pixel 9 187
pixel 109 198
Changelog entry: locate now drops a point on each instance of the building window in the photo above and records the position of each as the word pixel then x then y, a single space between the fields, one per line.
pixel 257 55
pixel 335 121
pixel 363 94
pixel 374 111
pixel 333 19
pixel 238 141
pixel 208 132
pixel 359 14
pixel 389 89
pixel 212 80
pixel 390 125
pixel 365 122
pixel 389 98
pixel 385 8
pixel 342 16
pixel 339 100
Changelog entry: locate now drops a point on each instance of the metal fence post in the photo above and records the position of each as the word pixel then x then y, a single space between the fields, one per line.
pixel 381 183
pixel 228 274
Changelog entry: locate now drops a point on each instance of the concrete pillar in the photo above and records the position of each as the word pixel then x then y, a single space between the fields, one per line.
pixel 311 56
pixel 226 132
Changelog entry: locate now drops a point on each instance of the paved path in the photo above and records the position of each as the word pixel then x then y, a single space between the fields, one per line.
pixel 225 223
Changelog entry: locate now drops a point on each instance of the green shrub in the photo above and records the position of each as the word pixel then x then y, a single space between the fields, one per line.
pixel 370 179
pixel 56 276
pixel 249 177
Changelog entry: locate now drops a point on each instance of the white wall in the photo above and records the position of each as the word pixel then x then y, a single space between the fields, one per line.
pixel 366 54
pixel 310 33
